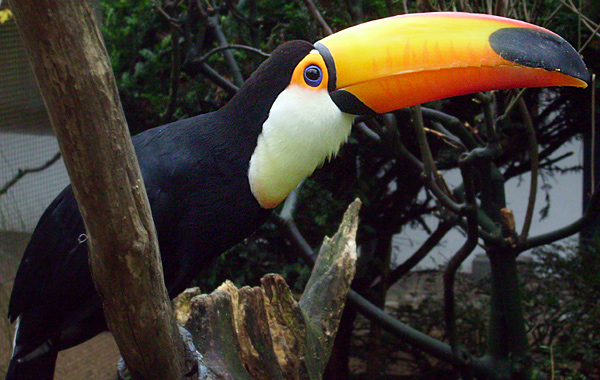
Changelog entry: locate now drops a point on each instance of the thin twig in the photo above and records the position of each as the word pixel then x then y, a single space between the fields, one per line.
pixel 456 261
pixel 511 105
pixel 427 157
pixel 551 16
pixel 317 15
pixel 218 79
pixel 534 160
pixel 487 103
pixel 450 138
pixel 174 21
pixel 238 14
pixel 590 38
pixel 591 25
pixel 238 78
pixel 590 214
pixel 434 180
pixel 432 241
pixel 206 56
pixel 453 124
pixel 175 73
pixel 23 172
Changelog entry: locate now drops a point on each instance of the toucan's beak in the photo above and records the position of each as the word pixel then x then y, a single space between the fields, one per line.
pixel 405 60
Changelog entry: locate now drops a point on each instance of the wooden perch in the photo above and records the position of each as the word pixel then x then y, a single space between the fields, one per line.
pixel 262 332
pixel 72 67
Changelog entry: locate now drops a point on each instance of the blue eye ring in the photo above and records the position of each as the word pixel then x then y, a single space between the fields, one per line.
pixel 313 75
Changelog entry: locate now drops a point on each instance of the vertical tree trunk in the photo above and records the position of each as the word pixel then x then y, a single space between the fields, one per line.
pixel 507 340
pixel 76 81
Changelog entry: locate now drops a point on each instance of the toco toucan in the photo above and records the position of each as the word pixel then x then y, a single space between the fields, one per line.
pixel 213 179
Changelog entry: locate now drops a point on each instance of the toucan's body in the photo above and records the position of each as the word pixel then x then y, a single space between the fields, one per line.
pixel 212 179
pixel 201 202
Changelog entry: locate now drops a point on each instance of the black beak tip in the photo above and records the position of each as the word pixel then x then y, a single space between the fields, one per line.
pixel 539 49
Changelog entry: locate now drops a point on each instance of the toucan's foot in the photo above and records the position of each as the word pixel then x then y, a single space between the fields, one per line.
pixel 194 362
pixel 122 371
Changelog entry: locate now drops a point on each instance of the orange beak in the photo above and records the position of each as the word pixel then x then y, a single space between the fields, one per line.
pixel 396 62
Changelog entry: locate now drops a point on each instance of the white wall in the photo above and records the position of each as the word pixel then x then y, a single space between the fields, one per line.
pixel 565 208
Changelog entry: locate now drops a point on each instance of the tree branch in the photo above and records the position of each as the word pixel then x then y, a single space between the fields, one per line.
pixel 317 15
pixel 206 56
pixel 432 241
pixel 456 261
pixel 175 73
pixel 590 214
pixel 453 124
pixel 72 67
pixel 487 102
pixel 218 79
pixel 534 159
pixel 403 331
pixel 238 79
pixel 23 172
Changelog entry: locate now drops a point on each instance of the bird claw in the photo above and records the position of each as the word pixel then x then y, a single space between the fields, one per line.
pixel 122 370
pixel 194 361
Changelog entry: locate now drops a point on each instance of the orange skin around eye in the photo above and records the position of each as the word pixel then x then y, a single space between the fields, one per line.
pixel 313 58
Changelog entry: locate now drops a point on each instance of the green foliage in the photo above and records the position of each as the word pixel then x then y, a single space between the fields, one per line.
pixel 5 15
pixel 139 45
pixel 561 297
pixel 560 293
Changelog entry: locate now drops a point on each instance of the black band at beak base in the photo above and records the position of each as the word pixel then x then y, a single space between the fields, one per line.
pixel 349 103
pixel 328 58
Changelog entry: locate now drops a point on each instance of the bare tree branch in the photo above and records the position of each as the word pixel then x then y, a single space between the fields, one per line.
pixel 94 140
pixel 456 261
pixel 218 79
pixel 317 15
pixel 431 242
pixel 238 78
pixel 534 159
pixel 206 56
pixel 23 172
pixel 590 214
pixel 175 74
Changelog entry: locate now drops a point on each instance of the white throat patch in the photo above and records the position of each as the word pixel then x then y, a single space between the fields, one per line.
pixel 303 129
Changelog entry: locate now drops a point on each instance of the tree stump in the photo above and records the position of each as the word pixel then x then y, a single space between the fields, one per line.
pixel 262 332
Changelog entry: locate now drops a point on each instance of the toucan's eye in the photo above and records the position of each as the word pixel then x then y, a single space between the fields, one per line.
pixel 313 75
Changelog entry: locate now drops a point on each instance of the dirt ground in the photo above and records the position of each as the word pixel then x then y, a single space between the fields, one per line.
pixel 96 359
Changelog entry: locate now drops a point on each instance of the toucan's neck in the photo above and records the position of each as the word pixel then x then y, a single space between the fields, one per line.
pixel 294 142
pixel 287 129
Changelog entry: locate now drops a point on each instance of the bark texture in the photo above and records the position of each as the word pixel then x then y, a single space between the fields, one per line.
pixel 74 74
pixel 262 332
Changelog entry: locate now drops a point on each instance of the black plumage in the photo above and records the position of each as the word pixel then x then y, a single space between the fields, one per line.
pixel 195 173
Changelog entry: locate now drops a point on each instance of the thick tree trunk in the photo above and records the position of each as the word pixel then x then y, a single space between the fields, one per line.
pixel 76 81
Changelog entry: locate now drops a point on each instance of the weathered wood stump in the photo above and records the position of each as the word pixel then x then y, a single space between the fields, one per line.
pixel 262 332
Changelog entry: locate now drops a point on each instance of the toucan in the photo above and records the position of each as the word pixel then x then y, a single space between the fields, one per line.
pixel 213 179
